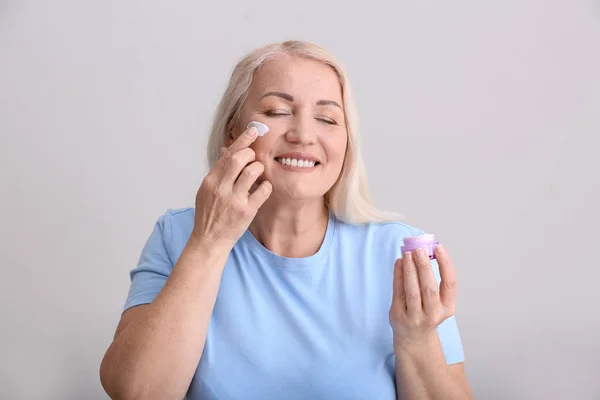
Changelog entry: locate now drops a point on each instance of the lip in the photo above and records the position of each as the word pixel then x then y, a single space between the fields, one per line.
pixel 299 156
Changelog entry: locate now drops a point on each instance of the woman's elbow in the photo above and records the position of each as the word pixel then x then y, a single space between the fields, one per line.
pixel 115 384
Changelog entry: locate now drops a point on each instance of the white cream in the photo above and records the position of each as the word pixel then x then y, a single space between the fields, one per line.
pixel 260 127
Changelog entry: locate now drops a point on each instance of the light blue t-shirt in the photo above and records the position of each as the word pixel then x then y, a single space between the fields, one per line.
pixel 294 328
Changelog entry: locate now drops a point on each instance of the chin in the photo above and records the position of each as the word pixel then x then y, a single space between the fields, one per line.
pixel 285 192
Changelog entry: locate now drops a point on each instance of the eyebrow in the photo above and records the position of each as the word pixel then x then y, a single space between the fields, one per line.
pixel 290 98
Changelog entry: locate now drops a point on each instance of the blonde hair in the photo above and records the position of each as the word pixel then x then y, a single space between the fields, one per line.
pixel 349 197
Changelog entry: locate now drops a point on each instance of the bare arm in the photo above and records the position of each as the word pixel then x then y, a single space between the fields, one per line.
pixel 419 306
pixel 157 346
pixel 422 373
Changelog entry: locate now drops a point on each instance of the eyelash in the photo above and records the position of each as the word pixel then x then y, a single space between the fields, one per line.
pixel 276 114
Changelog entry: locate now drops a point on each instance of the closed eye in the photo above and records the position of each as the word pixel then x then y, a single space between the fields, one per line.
pixel 280 113
pixel 327 121
pixel 275 113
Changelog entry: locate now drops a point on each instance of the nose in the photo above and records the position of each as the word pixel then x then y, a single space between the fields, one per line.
pixel 303 130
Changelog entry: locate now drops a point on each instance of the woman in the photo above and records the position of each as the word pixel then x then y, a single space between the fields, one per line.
pixel 284 282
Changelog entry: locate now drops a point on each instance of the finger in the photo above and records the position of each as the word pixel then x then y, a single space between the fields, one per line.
pixel 427 282
pixel 234 164
pixel 398 286
pixel 247 178
pixel 448 275
pixel 260 195
pixel 244 140
pixel 219 168
pixel 411 285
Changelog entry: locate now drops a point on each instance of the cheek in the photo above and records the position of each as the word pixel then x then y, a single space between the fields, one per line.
pixel 262 148
pixel 336 148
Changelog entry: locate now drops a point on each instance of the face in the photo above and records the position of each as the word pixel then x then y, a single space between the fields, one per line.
pixel 300 100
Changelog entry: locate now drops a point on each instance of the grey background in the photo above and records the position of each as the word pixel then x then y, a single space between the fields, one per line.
pixel 480 122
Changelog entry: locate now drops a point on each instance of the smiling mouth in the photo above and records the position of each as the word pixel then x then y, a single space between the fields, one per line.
pixel 299 163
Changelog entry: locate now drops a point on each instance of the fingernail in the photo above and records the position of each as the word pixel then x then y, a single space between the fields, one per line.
pixel 419 253
pixel 440 249
pixel 252 132
pixel 408 255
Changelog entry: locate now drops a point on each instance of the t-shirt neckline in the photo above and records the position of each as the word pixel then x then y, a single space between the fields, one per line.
pixel 265 253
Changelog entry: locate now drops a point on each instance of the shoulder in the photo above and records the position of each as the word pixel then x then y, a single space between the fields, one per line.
pixel 175 222
pixel 175 227
pixel 178 218
pixel 378 236
pixel 379 230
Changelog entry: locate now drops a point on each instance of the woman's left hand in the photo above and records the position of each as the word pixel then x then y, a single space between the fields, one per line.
pixel 419 305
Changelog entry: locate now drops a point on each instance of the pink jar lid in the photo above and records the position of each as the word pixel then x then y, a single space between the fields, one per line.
pixel 426 241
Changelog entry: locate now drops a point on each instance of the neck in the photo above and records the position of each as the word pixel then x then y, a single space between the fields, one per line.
pixel 293 229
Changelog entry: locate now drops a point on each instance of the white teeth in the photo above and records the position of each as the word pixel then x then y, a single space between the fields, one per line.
pixel 296 163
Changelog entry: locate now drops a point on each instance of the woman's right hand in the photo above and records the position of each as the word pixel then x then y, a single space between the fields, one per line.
pixel 224 205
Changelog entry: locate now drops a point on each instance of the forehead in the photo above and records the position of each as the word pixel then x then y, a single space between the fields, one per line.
pixel 297 76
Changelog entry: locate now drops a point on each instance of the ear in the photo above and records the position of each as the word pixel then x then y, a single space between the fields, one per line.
pixel 231 127
pixel 229 140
